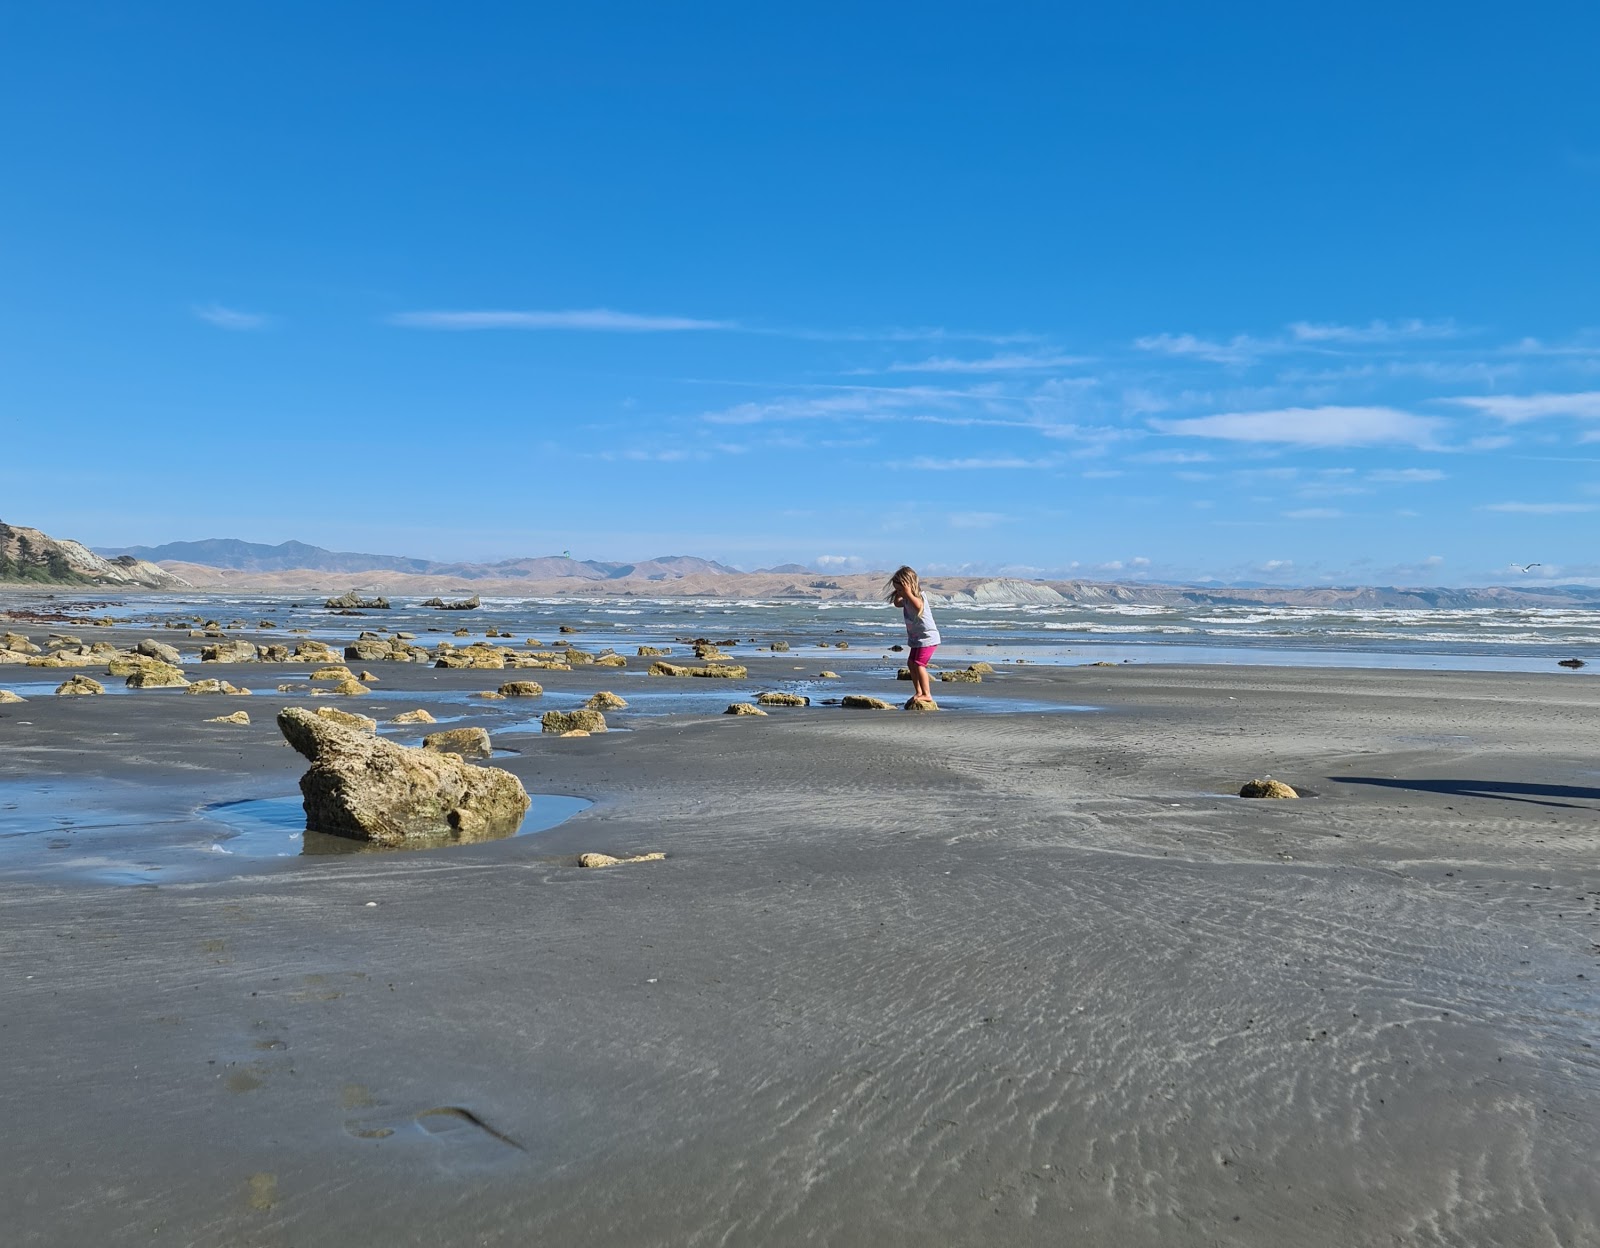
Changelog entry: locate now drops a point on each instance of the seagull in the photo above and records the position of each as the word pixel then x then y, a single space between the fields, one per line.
pixel 1528 567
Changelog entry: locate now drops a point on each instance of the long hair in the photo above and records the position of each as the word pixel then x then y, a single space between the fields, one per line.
pixel 904 580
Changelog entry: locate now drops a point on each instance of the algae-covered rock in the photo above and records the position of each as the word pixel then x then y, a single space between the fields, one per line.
pixel 522 689
pixel 582 720
pixel 783 699
pixel 156 676
pixel 861 702
pixel 346 719
pixel 606 701
pixel 78 686
pixel 661 668
pixel 467 742
pixel 238 717
pixel 606 860
pixel 1267 788
pixel 418 716
pixel 364 787
pixel 743 708
pixel 151 648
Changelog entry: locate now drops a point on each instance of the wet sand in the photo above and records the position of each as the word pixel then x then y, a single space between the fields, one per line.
pixel 1026 978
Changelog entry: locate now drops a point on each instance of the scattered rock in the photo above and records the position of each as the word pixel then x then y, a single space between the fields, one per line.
pixel 151 648
pixel 743 708
pixel 346 719
pixel 467 742
pixel 351 688
pixel 610 660
pixel 492 695
pixel 983 669
pixel 238 717
pixel 78 686
pixel 7 697
pixel 156 676
pixel 582 719
pixel 646 652
pixel 606 701
pixel 967 677
pixel 783 699
pixel 860 702
pixel 522 689
pixel 19 643
pixel 606 860
pixel 215 686
pixel 418 716
pixel 273 654
pixel 778 647
pixel 1267 788
pixel 1574 664
pixel 368 677
pixel 921 704
pixel 827 675
pixel 229 652
pixel 367 788
pixel 335 673
pixel 466 604
pixel 367 651
pixel 576 732
pixel 353 602
pixel 896 648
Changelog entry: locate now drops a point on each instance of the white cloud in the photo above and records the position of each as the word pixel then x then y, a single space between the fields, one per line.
pixel 595 319
pixel 993 364
pixel 1174 457
pixel 1373 331
pixel 1542 509
pixel 928 464
pixel 1314 513
pixel 1513 409
pixel 1240 349
pixel 1404 476
pixel 228 318
pixel 839 561
pixel 1313 426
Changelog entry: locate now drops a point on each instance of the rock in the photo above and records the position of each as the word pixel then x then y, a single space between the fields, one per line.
pixel 646 652
pixel 462 632
pixel 841 645
pixel 606 701
pixel 579 658
pixel 743 708
pixel 491 694
pixel 238 717
pixel 921 704
pixel 214 686
pixel 353 602
pixel 576 732
pixel 860 702
pixel 418 716
pixel 314 652
pixel 983 669
pixel 78 686
pixel 1267 788
pixel 229 652
pixel 368 651
pixel 903 674
pixel 778 647
pixel 606 860
pixel 367 788
pixel 467 742
pixel 466 604
pixel 337 672
pixel 566 628
pixel 7 697
pixel 659 668
pixel 351 688
pixel 12 656
pixel 486 658
pixel 19 643
pixel 721 671
pixel 151 648
pixel 896 648
pixel 582 719
pixel 1574 664
pixel 346 719
pixel 273 654
pixel 610 660
pixel 827 675
pixel 367 677
pixel 783 699
pixel 967 677
pixel 156 676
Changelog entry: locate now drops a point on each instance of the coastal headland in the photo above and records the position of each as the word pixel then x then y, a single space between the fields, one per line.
pixel 1028 974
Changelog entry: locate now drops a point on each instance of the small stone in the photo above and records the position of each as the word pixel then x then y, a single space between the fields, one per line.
pixel 783 699
pixel 743 708
pixel 827 675
pixel 860 702
pixel 606 701
pixel 606 860
pixel 238 717
pixel 418 716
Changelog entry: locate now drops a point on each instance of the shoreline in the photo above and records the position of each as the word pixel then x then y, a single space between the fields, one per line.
pixel 958 978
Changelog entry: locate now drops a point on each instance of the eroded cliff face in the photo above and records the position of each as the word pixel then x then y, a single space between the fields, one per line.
pixel 33 556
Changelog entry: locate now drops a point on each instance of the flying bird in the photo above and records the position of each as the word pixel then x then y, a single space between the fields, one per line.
pixel 1528 567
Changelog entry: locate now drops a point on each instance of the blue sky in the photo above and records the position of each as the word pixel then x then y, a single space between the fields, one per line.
pixel 1167 291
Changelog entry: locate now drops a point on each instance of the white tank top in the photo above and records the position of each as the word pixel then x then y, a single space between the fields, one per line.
pixel 920 629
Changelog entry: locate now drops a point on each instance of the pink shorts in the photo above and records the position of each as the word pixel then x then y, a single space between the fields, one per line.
pixel 920 655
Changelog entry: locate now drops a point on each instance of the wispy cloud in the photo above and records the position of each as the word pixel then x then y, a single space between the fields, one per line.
pixel 924 463
pixel 229 318
pixel 1542 509
pixel 993 364
pixel 601 320
pixel 1404 476
pixel 1374 331
pixel 1240 349
pixel 1314 513
pixel 1314 427
pixel 1514 409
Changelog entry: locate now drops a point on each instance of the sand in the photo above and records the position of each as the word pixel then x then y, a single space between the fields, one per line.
pixel 1026 978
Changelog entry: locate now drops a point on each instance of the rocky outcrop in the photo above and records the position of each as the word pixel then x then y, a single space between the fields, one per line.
pixel 466 604
pixel 346 719
pixel 230 652
pixel 78 686
pixel 606 860
pixel 156 676
pixel 743 708
pixel 31 555
pixel 1267 788
pixel 783 699
pixel 522 689
pixel 606 701
pixel 354 602
pixel 467 742
pixel 159 650
pixel 580 720
pixel 726 671
pixel 370 789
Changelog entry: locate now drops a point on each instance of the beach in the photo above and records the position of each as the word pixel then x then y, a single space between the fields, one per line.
pixel 997 976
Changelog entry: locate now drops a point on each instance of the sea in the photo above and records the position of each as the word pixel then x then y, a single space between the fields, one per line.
pixel 1434 639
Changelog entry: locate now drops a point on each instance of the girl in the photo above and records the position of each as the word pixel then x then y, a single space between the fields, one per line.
pixel 922 634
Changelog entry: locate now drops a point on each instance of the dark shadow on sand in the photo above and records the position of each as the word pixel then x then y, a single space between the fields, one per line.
pixel 1503 790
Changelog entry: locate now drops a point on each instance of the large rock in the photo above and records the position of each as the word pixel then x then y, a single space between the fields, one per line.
pixel 156 676
pixel 7 697
pixel 367 788
pixel 466 604
pixel 214 686
pixel 921 704
pixel 368 651
pixel 1267 788
pixel 19 643
pixel 151 648
pixel 229 652
pixel 467 742
pixel 580 720
pixel 522 689
pixel 13 656
pixel 77 686
pixel 605 700
pixel 353 602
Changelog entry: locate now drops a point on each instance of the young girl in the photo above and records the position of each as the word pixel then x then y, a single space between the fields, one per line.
pixel 922 634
